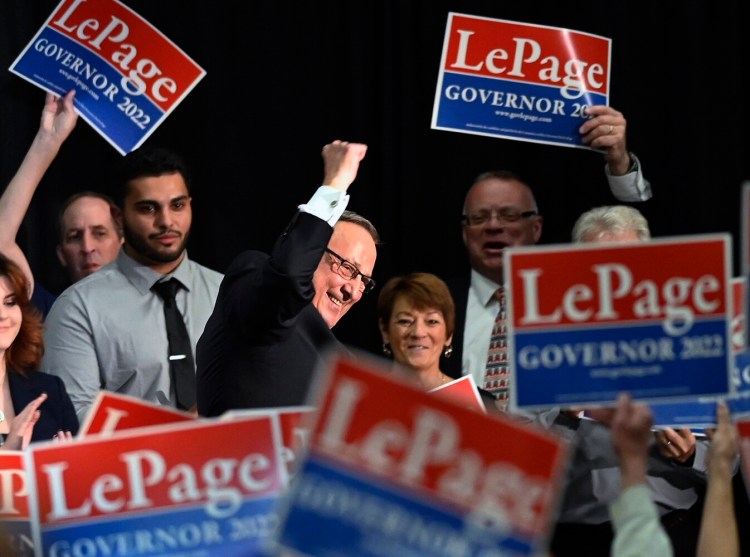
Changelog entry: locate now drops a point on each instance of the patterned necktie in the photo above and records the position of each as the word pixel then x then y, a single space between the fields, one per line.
pixel 181 366
pixel 496 379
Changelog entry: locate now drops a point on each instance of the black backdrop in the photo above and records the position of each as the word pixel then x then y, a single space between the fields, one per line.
pixel 284 78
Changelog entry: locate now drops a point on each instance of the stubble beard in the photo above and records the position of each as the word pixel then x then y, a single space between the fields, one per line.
pixel 141 246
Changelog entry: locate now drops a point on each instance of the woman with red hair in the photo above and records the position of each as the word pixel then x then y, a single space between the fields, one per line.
pixel 34 406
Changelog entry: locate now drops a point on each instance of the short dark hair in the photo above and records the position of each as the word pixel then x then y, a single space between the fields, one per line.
pixel 500 175
pixel 114 211
pixel 424 290
pixel 506 175
pixel 145 162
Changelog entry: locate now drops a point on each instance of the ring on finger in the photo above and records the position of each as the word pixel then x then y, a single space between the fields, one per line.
pixel 611 129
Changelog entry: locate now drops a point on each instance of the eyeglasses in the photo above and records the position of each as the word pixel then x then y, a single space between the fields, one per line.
pixel 349 271
pixel 507 215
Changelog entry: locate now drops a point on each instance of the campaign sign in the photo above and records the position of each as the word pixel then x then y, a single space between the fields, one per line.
pixel 128 76
pixel 588 321
pixel 741 376
pixel 739 313
pixel 294 431
pixel 15 524
pixel 464 390
pixel 518 80
pixel 394 470
pixel 204 487
pixel 739 405
pixel 696 415
pixel 701 413
pixel 116 412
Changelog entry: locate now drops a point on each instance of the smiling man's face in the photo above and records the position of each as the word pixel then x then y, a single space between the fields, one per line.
pixel 334 294
pixel 486 242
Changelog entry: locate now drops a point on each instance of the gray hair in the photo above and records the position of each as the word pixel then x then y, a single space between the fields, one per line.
pixel 611 219
pixel 356 218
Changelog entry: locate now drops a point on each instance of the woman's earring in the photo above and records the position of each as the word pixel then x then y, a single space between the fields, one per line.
pixel 448 351
pixel 387 349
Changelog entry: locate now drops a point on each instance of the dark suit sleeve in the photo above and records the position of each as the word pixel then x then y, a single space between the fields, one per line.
pixel 459 288
pixel 263 296
pixel 56 413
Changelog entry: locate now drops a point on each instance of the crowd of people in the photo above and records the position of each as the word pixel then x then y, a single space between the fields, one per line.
pixel 255 335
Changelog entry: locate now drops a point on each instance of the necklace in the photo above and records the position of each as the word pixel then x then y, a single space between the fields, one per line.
pixel 445 379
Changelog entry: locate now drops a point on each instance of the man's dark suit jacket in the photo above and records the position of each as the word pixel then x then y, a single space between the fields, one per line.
pixel 459 288
pixel 264 340
pixel 57 412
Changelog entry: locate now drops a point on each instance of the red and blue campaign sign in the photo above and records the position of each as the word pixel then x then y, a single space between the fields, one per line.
pixel 204 487
pixel 15 523
pixel 294 432
pixel 128 75
pixel 519 81
pixel 700 413
pixel 463 390
pixel 394 470
pixel 116 412
pixel 589 321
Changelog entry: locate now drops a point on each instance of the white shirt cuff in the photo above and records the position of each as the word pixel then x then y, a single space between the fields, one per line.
pixel 631 186
pixel 327 203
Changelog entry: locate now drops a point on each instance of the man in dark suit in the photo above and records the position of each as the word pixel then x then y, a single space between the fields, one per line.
pixel 271 325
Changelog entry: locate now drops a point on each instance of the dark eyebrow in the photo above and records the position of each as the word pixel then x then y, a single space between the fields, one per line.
pixel 156 203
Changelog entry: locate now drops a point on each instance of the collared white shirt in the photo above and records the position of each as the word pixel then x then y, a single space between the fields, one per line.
pixel 327 204
pixel 632 186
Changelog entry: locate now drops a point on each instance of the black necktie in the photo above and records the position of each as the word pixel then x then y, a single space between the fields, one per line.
pixel 181 364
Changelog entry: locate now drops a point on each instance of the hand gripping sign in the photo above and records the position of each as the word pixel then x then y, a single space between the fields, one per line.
pixel 394 470
pixel 518 80
pixel 589 321
pixel 128 75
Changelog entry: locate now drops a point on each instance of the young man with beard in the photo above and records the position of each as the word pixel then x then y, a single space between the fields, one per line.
pixel 108 330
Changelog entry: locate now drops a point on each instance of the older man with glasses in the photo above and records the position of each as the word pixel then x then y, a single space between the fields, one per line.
pixel 273 316
pixel 499 212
